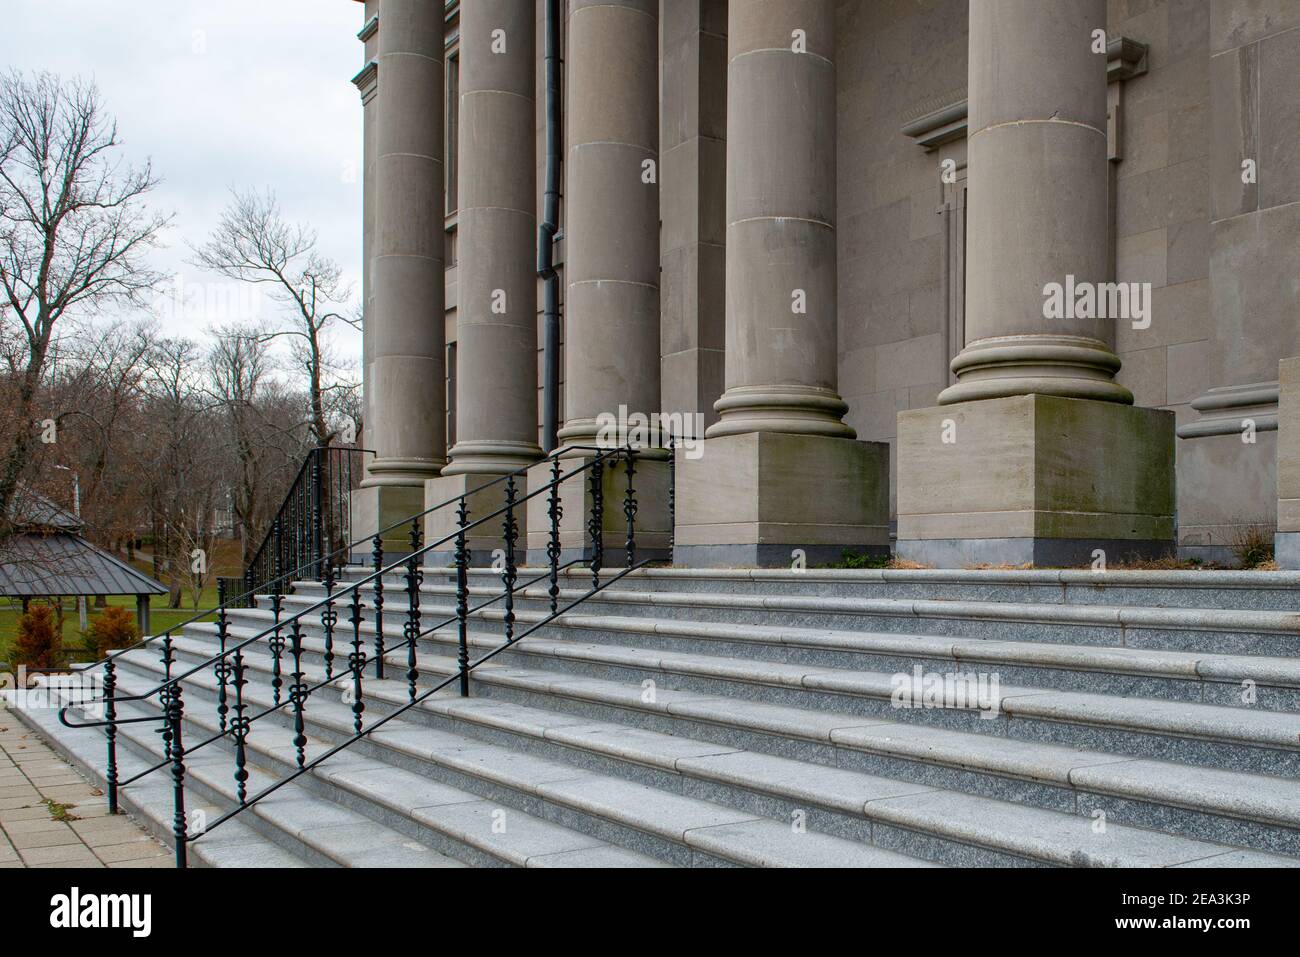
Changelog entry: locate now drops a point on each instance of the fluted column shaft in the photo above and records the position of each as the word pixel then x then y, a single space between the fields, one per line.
pixel 496 315
pixel 1037 212
pixel 407 339
pixel 611 336
pixel 781 363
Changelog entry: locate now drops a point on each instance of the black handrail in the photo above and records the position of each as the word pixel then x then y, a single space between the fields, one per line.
pixel 312 521
pixel 294 574
pixel 229 666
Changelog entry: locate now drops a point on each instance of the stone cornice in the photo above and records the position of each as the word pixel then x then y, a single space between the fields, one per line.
pixel 369 30
pixel 366 80
pixel 1125 59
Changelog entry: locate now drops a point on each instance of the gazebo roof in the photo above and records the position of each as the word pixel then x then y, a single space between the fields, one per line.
pixel 35 565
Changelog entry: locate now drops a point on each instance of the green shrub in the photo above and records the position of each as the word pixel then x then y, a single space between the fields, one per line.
pixel 114 627
pixel 39 646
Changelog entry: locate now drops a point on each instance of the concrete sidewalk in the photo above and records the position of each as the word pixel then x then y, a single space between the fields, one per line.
pixel 51 817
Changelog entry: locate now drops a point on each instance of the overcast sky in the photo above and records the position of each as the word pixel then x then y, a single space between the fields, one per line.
pixel 219 93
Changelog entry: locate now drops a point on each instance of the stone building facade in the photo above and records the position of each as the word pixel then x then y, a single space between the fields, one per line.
pixel 868 242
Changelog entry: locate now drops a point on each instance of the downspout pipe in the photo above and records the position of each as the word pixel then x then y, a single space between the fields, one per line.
pixel 547 231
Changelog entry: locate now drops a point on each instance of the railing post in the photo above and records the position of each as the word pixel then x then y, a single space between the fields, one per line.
pixel 356 660
pixel 221 669
pixel 174 709
pixel 316 546
pixel 298 692
pixel 596 521
pixel 411 630
pixel 110 716
pixel 166 730
pixel 277 650
pixel 672 496
pixel 462 597
pixel 630 507
pixel 328 619
pixel 377 559
pixel 510 528
pixel 239 728
pixel 553 545
pixel 279 556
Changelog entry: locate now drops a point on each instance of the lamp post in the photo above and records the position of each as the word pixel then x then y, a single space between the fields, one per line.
pixel 82 618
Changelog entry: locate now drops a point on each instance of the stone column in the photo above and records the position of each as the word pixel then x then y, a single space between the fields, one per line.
pixel 1035 453
pixel 780 470
pixel 1038 202
pixel 367 84
pixel 407 337
pixel 612 214
pixel 611 230
pixel 1286 542
pixel 496 317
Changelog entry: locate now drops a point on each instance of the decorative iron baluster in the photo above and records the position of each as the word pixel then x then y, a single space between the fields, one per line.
pixel 510 528
pixel 168 659
pixel 553 545
pixel 672 495
pixel 596 521
pixel 222 670
pixel 316 545
pixel 298 692
pixel 329 618
pixel 174 709
pixel 462 597
pixel 110 732
pixel 276 643
pixel 630 507
pixel 279 555
pixel 411 630
pixel 356 660
pixel 239 726
pixel 377 556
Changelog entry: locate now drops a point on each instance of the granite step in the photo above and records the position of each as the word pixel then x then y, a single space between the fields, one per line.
pixel 594 809
pixel 1255 741
pixel 1227 806
pixel 1203 589
pixel 1270 633
pixel 1248 681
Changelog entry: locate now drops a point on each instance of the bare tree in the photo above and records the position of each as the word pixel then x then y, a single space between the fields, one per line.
pixel 184 478
pixel 74 231
pixel 254 243
pixel 263 431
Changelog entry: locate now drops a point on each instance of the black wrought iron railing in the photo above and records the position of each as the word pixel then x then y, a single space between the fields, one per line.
pixel 591 472
pixel 313 522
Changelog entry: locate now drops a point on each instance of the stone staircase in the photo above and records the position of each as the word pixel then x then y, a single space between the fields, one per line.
pixel 751 718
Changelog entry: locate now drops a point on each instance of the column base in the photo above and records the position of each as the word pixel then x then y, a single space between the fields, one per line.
pixel 1034 479
pixel 379 506
pixel 759 498
pixel 484 539
pixel 1286 550
pixel 653 529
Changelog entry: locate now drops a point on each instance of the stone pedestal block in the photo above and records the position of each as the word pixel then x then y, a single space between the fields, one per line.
pixel 753 499
pixel 377 507
pixel 1286 543
pixel 1034 479
pixel 485 496
pixel 653 528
